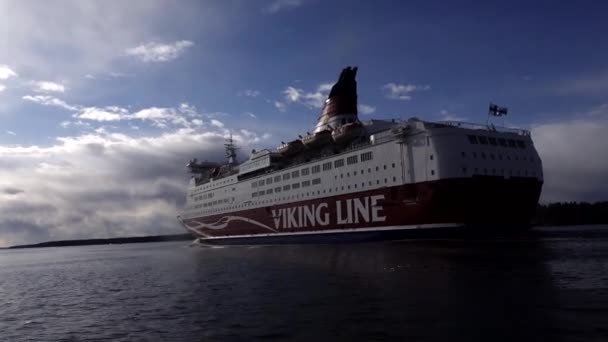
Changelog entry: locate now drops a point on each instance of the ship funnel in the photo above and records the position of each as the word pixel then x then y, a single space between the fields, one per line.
pixel 341 104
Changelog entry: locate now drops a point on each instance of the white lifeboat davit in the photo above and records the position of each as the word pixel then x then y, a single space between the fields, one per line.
pixel 347 132
pixel 317 139
pixel 290 148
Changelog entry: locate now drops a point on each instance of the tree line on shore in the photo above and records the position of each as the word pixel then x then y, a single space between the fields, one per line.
pixel 571 213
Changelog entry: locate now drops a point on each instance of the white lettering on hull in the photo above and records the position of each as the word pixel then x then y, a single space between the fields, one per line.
pixel 357 210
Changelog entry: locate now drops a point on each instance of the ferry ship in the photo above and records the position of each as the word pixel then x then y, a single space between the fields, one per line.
pixel 351 180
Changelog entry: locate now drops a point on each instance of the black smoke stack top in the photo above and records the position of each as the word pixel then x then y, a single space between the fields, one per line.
pixel 342 100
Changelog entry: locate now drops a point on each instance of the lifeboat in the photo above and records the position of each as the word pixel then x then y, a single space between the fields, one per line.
pixel 290 148
pixel 347 132
pixel 317 139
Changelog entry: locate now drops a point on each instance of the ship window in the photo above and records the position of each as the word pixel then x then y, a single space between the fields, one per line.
pixel 339 163
pixel 348 174
pixel 393 165
pixel 432 172
pixel 385 180
pixel 295 186
pixel 366 156
pixel 286 176
pixel 355 173
pixel 472 139
pixel 376 168
pixel 286 187
pixel 464 170
pixel 430 157
pixel 269 191
pixel 269 180
pixel 369 183
pixel 428 141
pixel 316 169
pixel 305 171
pixel 482 140
pixel 369 170
pixel 295 174
pixel 363 184
pixel 316 181
pixel 464 155
pixel 260 182
pixel 277 179
pixel 348 187
pixel 277 189
pixel 305 183
pixel 254 194
pixel 377 181
pixel 385 166
pixel 502 142
pixel 492 141
pixel 326 166
pixel 521 144
pixel 483 155
pixel 511 143
pixel 355 186
pixel 261 193
pixel 394 179
pixel 492 156
pixel 254 184
pixel 352 160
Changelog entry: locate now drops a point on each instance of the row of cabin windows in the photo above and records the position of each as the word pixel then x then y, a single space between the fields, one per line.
pixel 367 156
pixel 203 197
pixel 500 172
pixel 287 187
pixel 483 140
pixel 211 204
pixel 497 156
pixel 311 193
pixel 369 170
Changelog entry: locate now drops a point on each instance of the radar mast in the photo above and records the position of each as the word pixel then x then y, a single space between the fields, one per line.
pixel 231 149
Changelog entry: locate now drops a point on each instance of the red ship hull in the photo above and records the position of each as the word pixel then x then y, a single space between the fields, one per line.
pixel 421 209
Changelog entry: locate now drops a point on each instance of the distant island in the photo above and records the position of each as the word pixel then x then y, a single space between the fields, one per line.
pixel 553 214
pixel 571 214
pixel 120 240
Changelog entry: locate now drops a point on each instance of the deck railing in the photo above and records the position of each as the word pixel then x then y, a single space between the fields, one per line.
pixel 490 127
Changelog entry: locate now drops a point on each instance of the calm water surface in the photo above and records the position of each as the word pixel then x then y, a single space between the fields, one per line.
pixel 548 287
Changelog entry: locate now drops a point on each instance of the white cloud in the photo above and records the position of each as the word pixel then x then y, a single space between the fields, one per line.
pixel 158 52
pixel 102 114
pixel 280 106
pixel 6 72
pixel 249 93
pixel 574 157
pixel 449 116
pixel 397 91
pixel 47 100
pixel 281 5
pixel 101 184
pixel 365 109
pixel 11 133
pixel 217 123
pixel 251 115
pixel 48 87
pixel 2 87
pixel 314 99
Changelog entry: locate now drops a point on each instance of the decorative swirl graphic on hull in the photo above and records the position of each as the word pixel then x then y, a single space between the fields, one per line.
pixel 223 223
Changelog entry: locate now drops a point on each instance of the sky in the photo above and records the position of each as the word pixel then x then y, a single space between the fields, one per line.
pixel 102 103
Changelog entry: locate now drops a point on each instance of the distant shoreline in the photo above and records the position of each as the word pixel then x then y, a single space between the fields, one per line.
pixel 119 240
pixel 576 229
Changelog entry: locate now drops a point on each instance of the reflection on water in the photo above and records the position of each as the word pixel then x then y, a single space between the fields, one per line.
pixel 537 287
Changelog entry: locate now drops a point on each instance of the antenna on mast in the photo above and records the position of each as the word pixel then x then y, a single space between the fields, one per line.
pixel 231 149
